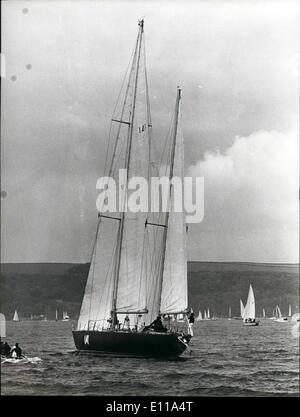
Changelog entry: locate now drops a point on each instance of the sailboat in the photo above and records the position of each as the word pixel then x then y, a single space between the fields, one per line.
pixel 264 313
pixel 290 311
pixel 208 314
pixel 65 316
pixel 279 316
pixel 249 312
pixel 16 316
pixel 56 315
pixel 242 309
pixel 205 315
pixel 199 317
pixel 138 267
pixel 229 313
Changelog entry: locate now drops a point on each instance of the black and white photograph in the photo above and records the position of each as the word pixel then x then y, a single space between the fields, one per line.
pixel 149 201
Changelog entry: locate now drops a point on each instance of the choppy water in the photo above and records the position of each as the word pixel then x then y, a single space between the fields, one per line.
pixel 227 360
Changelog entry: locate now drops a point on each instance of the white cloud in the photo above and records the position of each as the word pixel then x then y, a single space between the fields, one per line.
pixel 251 200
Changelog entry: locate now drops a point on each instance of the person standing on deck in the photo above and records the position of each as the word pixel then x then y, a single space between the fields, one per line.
pixel 191 324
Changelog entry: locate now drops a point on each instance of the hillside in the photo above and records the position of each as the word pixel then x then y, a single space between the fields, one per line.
pixel 43 288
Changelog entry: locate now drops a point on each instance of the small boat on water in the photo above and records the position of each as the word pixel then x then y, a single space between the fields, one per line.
pixel 279 317
pixel 16 316
pixel 290 311
pixel 229 313
pixel 65 316
pixel 264 313
pixel 249 312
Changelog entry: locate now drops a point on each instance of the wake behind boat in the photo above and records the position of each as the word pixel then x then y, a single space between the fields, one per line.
pixel 138 271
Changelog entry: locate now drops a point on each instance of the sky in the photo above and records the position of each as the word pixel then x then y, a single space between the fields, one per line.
pixel 237 63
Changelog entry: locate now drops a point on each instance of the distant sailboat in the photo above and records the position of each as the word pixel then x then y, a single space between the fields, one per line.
pixel 242 309
pixel 199 317
pixel 16 316
pixel 56 315
pixel 290 311
pixel 279 316
pixel 249 312
pixel 65 316
pixel 208 314
pixel 229 313
pixel 205 315
pixel 264 313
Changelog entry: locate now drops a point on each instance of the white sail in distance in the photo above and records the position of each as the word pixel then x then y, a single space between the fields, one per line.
pixel 16 316
pixel 264 313
pixel 242 309
pixel 249 312
pixel 290 311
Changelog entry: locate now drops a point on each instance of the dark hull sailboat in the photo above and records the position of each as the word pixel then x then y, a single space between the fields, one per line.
pixel 154 344
pixel 138 267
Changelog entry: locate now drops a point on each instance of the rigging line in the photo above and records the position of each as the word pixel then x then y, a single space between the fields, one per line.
pixel 117 101
pixel 132 62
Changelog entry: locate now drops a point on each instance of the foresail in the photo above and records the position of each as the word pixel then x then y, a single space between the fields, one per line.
pixel 174 284
pixel 97 300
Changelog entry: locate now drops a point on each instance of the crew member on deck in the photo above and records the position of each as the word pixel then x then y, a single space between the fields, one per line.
pixel 127 323
pixel 156 325
pixel 191 324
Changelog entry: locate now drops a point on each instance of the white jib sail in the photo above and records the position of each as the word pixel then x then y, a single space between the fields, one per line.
pixel 174 286
pixel 97 300
pixel 249 312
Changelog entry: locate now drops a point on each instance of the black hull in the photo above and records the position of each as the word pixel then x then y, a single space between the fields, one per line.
pixel 123 343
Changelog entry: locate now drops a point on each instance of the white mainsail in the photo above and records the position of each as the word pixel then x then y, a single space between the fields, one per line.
pixel 131 293
pixel 205 315
pixel 249 312
pixel 264 313
pixel 208 314
pixel 229 313
pixel 290 311
pixel 242 309
pixel 16 316
pixel 174 287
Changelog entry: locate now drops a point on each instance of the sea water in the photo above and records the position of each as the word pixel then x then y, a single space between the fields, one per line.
pixel 227 359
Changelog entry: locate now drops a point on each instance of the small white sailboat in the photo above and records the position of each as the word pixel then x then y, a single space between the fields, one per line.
pixel 199 317
pixel 242 309
pixel 56 315
pixel 65 316
pixel 249 312
pixel 205 315
pixel 279 316
pixel 16 316
pixel 229 313
pixel 290 311
pixel 208 314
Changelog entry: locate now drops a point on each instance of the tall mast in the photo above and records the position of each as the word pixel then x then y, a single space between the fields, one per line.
pixel 178 98
pixel 127 162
